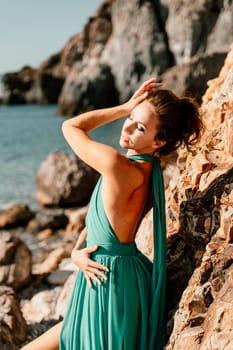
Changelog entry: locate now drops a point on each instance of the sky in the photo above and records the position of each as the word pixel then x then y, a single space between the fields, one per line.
pixel 32 30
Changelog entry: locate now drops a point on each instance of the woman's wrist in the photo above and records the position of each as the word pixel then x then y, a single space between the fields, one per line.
pixel 73 251
pixel 126 110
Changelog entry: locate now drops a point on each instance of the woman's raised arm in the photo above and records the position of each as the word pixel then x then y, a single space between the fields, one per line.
pixel 101 157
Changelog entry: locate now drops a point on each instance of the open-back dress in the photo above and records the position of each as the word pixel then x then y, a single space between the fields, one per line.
pixel 126 312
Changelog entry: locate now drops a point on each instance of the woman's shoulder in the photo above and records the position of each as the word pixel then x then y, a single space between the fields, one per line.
pixel 125 172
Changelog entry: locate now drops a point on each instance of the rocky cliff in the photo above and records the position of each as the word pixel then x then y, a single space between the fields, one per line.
pixel 124 43
pixel 200 229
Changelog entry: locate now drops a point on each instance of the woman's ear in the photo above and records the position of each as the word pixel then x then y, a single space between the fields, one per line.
pixel 158 143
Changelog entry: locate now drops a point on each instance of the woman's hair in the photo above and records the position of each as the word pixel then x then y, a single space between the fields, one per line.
pixel 180 122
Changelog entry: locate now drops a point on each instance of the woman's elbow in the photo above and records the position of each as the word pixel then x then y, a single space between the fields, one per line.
pixel 65 127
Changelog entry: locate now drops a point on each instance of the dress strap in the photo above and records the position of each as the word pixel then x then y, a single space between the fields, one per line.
pixel 146 157
pixel 157 333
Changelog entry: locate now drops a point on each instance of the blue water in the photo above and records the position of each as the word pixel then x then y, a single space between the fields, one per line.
pixel 27 135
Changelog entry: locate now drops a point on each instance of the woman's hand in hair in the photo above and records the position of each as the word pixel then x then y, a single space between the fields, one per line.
pixel 92 270
pixel 142 93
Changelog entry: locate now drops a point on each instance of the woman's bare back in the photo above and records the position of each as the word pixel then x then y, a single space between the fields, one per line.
pixel 125 204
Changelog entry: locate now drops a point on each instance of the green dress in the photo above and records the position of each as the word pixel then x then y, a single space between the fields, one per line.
pixel 126 312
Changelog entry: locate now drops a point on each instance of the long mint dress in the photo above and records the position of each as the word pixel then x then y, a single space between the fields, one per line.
pixel 127 312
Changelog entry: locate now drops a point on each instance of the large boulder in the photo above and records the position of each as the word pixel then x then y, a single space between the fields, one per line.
pixel 42 305
pixel 15 261
pixel 52 261
pixel 65 180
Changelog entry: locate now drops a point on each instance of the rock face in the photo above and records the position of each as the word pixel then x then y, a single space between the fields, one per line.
pixel 191 77
pixel 15 261
pixel 89 83
pixel 200 226
pixel 197 27
pixel 124 43
pixel 64 180
pixel 88 86
pixel 138 39
pixel 205 311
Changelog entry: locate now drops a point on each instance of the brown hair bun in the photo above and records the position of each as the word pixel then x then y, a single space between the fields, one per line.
pixel 180 121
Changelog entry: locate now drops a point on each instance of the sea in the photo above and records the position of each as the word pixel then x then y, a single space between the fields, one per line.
pixel 28 133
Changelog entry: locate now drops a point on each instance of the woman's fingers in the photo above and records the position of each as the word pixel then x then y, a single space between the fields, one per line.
pixel 91 276
pixel 148 82
pixel 97 272
pixel 98 266
pixel 141 97
pixel 88 279
pixel 148 87
pixel 92 270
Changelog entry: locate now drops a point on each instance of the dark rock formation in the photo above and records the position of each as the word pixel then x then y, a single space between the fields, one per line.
pixel 15 261
pixel 6 338
pixel 31 86
pixel 53 219
pixel 17 85
pixel 15 216
pixel 65 181
pixel 88 87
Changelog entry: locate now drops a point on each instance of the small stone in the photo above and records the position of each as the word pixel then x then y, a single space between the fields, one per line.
pixel 45 234
pixel 59 277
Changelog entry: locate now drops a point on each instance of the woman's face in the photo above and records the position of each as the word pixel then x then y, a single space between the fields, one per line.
pixel 139 130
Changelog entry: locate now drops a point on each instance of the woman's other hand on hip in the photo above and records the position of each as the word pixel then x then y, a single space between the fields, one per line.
pixel 92 270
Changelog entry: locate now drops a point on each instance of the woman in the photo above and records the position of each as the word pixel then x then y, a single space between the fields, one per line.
pixel 118 302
